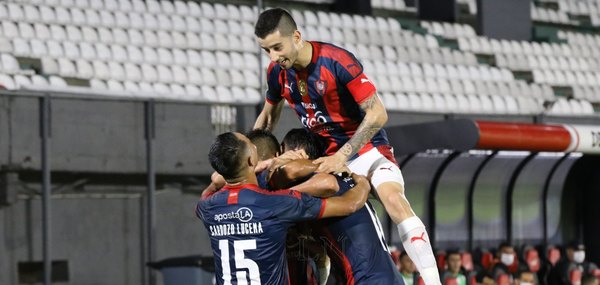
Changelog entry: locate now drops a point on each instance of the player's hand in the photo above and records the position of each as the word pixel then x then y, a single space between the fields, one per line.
pixel 293 155
pixel 262 165
pixel 287 157
pixel 331 164
pixel 217 180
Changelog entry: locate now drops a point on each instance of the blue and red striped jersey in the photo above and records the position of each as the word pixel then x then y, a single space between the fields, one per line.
pixel 247 227
pixel 326 95
pixel 357 247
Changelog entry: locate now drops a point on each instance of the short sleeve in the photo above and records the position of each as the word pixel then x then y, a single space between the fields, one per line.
pixel 293 206
pixel 198 211
pixel 273 95
pixel 349 72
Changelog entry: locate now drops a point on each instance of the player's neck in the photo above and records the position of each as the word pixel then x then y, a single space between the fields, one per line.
pixel 249 178
pixel 304 56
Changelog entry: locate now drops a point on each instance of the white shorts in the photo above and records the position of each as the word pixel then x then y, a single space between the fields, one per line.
pixel 379 165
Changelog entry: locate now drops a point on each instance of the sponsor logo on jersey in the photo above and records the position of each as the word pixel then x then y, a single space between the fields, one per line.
pixel 311 121
pixel 243 214
pixel 309 106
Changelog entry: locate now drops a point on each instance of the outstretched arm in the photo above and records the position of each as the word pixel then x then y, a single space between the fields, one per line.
pixel 269 116
pixel 375 118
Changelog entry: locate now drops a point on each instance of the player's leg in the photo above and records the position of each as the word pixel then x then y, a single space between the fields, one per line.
pixel 387 179
pixel 411 230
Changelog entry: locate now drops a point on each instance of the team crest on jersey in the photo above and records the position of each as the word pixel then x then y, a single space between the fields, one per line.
pixel 321 87
pixel 302 87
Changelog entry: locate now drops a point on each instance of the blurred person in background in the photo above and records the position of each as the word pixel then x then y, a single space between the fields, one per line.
pixel 455 270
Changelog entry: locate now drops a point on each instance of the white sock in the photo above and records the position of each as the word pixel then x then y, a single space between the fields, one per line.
pixel 418 247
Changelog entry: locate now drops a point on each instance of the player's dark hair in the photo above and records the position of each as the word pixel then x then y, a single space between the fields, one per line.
pixel 226 154
pixel 300 138
pixel 272 20
pixel 451 252
pixel 266 143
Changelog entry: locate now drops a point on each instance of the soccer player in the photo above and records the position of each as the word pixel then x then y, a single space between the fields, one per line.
pixel 355 244
pixel 247 225
pixel 326 87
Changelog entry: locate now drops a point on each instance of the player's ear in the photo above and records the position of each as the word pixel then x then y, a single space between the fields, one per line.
pixel 297 36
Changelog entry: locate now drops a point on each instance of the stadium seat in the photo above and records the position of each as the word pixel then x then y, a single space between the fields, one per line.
pixel 248 14
pixel 84 69
pixel 177 91
pixel 440 258
pixel 21 47
pixel 161 89
pixel 208 76
pixel 224 94
pixel 133 72
pixel 7 82
pixel 251 79
pixel 192 91
pixel 209 94
pixel 38 80
pixel 57 81
pixel 114 85
pixel 503 279
pixel 575 276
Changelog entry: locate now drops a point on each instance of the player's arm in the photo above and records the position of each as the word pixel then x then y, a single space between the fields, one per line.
pixel 375 118
pixel 351 201
pixel 319 185
pixel 290 173
pixel 269 116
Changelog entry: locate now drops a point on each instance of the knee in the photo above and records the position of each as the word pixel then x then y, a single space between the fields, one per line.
pixel 392 194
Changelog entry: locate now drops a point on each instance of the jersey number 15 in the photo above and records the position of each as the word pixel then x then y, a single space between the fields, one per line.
pixel 240 262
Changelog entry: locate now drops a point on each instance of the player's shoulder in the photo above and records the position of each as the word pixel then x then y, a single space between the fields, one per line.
pixel 338 56
pixel 334 52
pixel 274 68
pixel 270 194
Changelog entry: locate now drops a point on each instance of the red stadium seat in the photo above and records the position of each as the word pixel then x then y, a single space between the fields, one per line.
pixel 575 276
pixel 472 280
pixel 441 260
pixel 451 281
pixel 467 261
pixel 503 279
pixel 515 265
pixel 487 260
pixel 532 259
pixel 553 255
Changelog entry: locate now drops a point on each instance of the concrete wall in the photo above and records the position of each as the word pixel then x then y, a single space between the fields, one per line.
pixel 100 236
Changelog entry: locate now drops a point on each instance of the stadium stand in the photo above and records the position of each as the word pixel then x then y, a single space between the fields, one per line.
pixel 183 47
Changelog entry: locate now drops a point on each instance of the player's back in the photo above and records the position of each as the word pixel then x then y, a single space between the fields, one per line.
pixel 357 247
pixel 247 228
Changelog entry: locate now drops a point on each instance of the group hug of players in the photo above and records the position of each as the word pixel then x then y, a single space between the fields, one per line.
pixel 321 222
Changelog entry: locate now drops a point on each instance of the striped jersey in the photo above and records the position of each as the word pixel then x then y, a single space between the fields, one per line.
pixel 326 95
pixel 357 247
pixel 247 227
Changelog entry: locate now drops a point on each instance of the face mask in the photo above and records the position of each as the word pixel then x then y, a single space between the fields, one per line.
pixel 507 258
pixel 579 256
pixel 526 283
